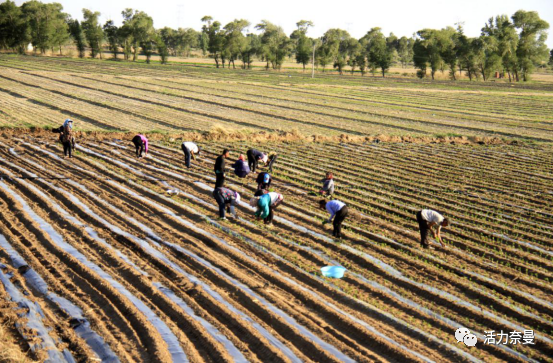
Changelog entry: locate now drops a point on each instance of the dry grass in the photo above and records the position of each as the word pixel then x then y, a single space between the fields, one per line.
pixel 10 351
pixel 229 134
pixel 543 77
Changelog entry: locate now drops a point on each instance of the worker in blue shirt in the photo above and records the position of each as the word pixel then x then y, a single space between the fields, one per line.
pixel 338 211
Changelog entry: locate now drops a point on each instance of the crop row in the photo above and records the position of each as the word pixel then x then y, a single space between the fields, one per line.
pixel 138 208
pixel 309 107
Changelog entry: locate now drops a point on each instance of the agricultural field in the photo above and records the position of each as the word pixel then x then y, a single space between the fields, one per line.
pixel 106 257
pixel 104 95
pixel 126 259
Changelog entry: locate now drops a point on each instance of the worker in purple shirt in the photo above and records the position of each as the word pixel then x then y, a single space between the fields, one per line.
pixel 339 211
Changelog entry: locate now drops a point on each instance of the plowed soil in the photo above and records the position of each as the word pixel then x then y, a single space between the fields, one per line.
pixel 158 276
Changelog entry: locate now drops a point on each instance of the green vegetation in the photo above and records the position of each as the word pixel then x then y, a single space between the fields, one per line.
pixel 507 47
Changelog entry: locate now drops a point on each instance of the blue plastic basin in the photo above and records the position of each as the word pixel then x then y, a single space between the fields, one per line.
pixel 336 272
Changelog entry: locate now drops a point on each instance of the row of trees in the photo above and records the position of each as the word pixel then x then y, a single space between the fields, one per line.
pixel 47 27
pixel 511 46
pixel 336 48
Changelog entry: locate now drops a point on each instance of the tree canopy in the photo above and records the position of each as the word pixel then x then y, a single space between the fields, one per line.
pixel 507 46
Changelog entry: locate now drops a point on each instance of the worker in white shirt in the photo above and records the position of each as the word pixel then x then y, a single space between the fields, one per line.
pixel 190 149
pixel 338 211
pixel 276 199
pixel 433 221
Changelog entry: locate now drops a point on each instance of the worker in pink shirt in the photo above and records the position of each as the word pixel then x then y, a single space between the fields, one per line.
pixel 141 143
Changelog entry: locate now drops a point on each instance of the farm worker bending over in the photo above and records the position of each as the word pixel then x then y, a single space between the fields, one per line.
pixel 190 149
pixel 66 138
pixel 433 221
pixel 241 168
pixel 226 198
pixel 272 159
pixel 265 206
pixel 328 185
pixel 259 193
pixel 339 211
pixel 254 156
pixel 276 199
pixel 141 144
pixel 263 181
pixel 220 168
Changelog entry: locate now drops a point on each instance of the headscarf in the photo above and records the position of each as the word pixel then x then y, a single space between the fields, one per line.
pixel 68 123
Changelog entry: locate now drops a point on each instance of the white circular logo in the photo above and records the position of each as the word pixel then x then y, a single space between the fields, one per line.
pixel 470 340
pixel 460 334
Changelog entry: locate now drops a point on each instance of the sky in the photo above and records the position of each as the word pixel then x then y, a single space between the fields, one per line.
pixel 402 17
